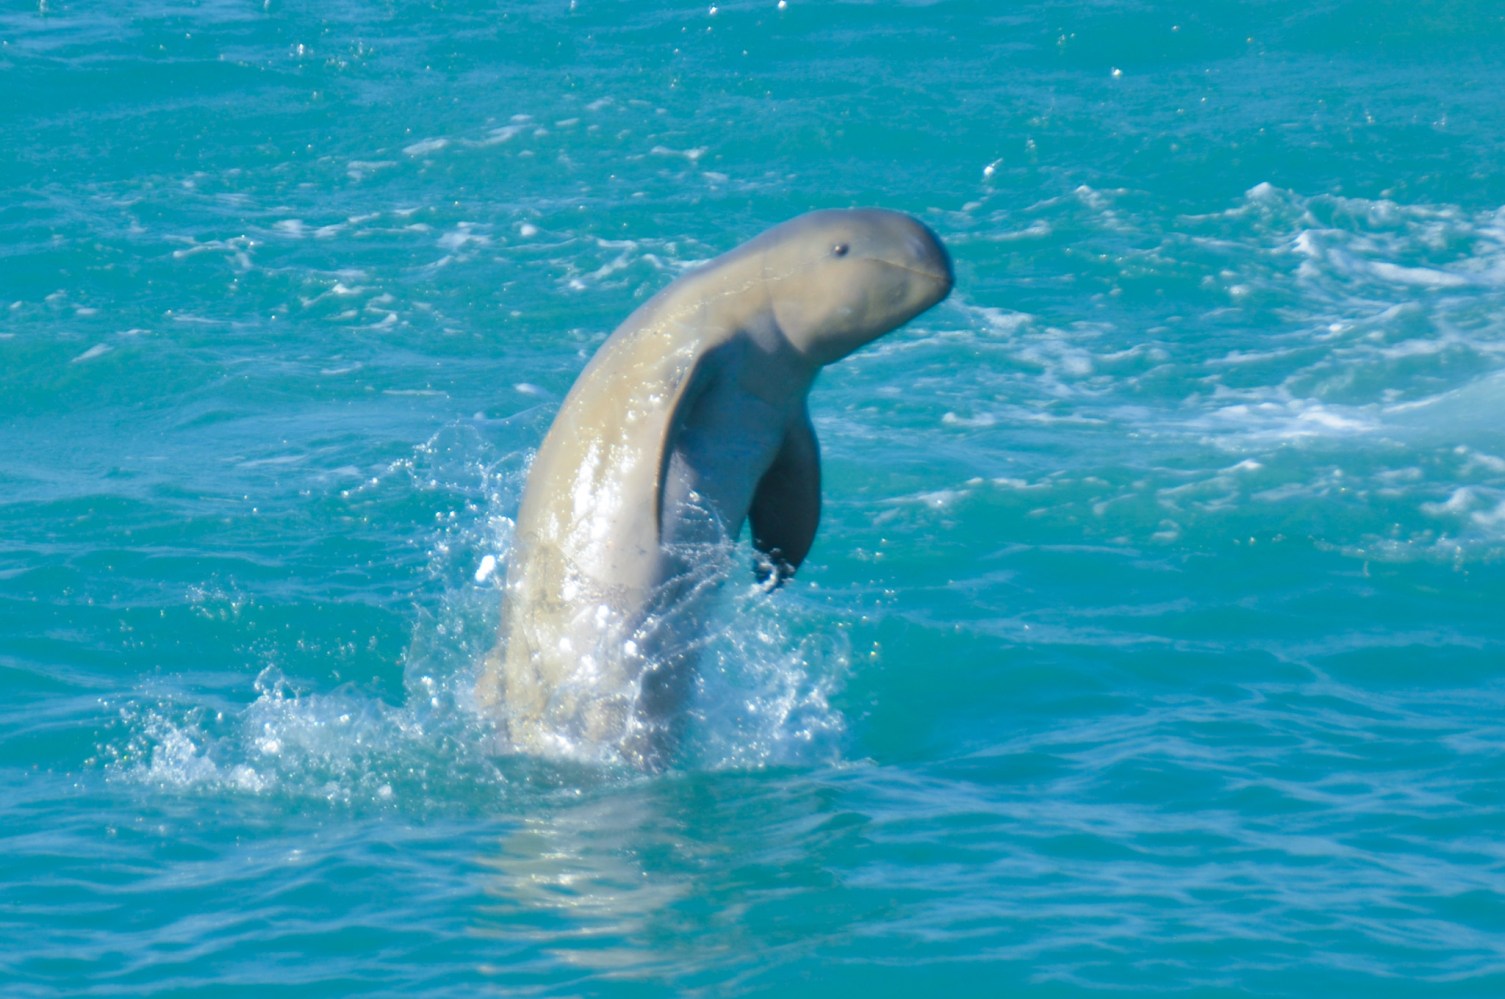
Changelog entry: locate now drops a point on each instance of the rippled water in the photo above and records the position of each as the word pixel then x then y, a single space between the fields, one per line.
pixel 1152 640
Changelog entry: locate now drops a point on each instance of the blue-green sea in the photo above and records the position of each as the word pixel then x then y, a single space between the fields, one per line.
pixel 1154 638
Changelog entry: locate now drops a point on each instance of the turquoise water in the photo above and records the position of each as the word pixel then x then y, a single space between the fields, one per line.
pixel 1152 641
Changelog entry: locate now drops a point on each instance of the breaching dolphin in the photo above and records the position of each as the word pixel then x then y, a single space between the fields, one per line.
pixel 689 420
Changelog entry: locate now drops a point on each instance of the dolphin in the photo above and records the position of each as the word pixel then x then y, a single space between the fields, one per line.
pixel 689 421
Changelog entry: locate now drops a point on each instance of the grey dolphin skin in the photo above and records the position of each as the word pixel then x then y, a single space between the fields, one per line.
pixel 690 420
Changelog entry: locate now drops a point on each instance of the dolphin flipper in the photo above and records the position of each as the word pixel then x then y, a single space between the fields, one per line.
pixel 686 392
pixel 786 506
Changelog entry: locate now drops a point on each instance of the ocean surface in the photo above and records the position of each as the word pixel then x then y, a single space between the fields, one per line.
pixel 1154 639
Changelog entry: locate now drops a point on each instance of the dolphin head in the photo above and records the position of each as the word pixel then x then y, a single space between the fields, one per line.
pixel 839 279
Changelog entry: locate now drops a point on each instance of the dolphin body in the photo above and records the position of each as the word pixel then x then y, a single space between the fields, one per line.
pixel 689 420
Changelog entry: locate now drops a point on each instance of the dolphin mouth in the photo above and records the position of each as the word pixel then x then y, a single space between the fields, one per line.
pixel 928 258
pixel 941 276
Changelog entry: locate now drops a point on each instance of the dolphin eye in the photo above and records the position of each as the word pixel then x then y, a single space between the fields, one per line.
pixel 839 250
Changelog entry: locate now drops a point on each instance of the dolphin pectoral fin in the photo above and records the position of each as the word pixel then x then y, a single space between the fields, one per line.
pixel 689 389
pixel 786 506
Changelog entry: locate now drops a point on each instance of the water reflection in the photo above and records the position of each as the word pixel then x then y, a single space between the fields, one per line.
pixel 662 877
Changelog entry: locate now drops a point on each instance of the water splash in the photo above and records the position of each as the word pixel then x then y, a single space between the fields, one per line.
pixel 763 692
